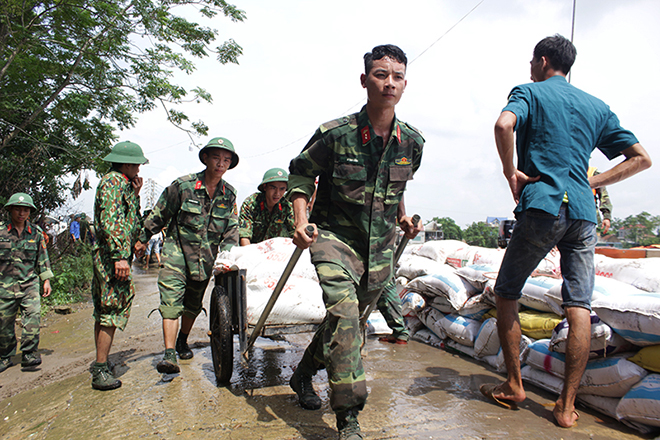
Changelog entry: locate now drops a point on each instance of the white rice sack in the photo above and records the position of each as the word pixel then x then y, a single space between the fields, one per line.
pixel 461 348
pixel 533 293
pixel 635 317
pixel 487 342
pixel 549 265
pixel 413 266
pixel 413 324
pixel 401 283
pixel 478 274
pixel 497 361
pixel 460 329
pixel 642 403
pixel 488 256
pixel 267 259
pixel 611 377
pixel 301 301
pixel 438 250
pixel 411 303
pixel 431 319
pixel 542 379
pixel 475 307
pixel 411 249
pixel 643 273
pixel 442 304
pixel 427 337
pixel 462 257
pixel 376 324
pixel 604 341
pixel 444 283
pixel 607 406
pixel 603 287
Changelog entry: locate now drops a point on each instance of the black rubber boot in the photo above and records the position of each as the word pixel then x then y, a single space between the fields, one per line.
pixel 301 383
pixel 182 347
pixel 168 365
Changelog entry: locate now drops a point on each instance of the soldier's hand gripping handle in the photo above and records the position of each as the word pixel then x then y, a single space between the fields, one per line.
pixel 305 235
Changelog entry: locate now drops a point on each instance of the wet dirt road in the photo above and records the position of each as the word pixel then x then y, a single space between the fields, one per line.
pixel 416 391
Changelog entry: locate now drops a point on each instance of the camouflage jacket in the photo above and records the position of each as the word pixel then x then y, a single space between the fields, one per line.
pixel 198 224
pixel 257 224
pixel 22 259
pixel 117 220
pixel 361 183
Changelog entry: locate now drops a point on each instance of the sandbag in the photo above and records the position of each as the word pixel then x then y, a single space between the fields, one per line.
pixel 643 273
pixel 438 250
pixel 478 274
pixel 460 329
pixel 635 317
pixel 427 337
pixel 431 319
pixel 444 283
pixel 413 266
pixel 642 403
pixel 533 293
pixel 301 301
pixel 376 324
pixel 607 406
pixel 475 307
pixel 411 303
pixel 537 325
pixel 488 256
pixel 460 347
pixel 604 341
pixel 413 324
pixel 648 358
pixel 487 342
pixel 611 377
pixel 497 361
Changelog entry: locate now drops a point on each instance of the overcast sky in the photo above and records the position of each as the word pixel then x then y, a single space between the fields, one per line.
pixel 302 62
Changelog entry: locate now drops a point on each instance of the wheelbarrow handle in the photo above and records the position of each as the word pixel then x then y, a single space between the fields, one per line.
pixel 397 254
pixel 309 230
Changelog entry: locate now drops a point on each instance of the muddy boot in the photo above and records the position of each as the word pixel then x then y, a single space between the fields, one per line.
pixel 182 347
pixel 102 378
pixel 5 363
pixel 168 365
pixel 348 426
pixel 301 383
pixel 30 359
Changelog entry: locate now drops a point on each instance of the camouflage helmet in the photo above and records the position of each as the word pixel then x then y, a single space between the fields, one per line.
pixel 273 175
pixel 224 144
pixel 126 152
pixel 20 199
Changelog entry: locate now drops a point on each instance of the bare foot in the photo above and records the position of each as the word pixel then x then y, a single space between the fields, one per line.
pixel 566 418
pixel 506 391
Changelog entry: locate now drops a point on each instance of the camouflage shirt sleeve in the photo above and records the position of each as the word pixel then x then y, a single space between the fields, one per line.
pixel 43 263
pixel 247 216
pixel 117 211
pixel 230 236
pixel 167 206
pixel 309 164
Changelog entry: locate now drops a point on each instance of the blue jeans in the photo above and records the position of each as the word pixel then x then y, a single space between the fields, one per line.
pixel 535 234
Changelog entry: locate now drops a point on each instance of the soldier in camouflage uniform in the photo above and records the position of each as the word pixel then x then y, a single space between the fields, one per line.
pixel 23 261
pixel 117 223
pixel 266 214
pixel 200 213
pixel 604 204
pixel 363 162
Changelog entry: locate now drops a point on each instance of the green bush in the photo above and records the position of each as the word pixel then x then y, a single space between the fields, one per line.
pixel 73 275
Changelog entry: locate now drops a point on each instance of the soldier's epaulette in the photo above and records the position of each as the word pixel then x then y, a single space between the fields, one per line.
pixel 229 187
pixel 415 130
pixel 187 178
pixel 335 123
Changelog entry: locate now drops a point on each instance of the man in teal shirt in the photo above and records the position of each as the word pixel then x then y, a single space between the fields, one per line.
pixel 557 126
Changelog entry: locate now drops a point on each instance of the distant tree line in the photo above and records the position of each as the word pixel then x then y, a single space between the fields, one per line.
pixel 635 230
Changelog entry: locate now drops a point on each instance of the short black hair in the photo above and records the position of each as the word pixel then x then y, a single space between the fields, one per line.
pixel 385 50
pixel 559 51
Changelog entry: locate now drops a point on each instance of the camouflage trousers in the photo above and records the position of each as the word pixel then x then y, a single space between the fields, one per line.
pixel 30 308
pixel 179 294
pixel 336 343
pixel 112 298
pixel 389 305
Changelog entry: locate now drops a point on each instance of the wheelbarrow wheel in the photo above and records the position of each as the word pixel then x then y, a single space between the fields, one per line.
pixel 222 340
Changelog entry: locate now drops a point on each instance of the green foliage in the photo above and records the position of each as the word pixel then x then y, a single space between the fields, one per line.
pixel 638 230
pixel 480 234
pixel 73 72
pixel 449 228
pixel 73 274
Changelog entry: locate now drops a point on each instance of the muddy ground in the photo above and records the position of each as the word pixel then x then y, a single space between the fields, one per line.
pixel 416 391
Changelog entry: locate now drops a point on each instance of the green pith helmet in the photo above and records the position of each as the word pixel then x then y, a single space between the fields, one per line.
pixel 126 152
pixel 273 175
pixel 223 144
pixel 20 199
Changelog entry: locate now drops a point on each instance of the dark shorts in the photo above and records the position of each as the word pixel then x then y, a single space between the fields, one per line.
pixel 535 234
